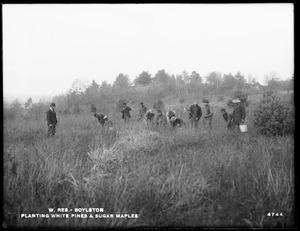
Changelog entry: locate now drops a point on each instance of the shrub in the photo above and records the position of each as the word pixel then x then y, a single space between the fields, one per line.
pixel 272 117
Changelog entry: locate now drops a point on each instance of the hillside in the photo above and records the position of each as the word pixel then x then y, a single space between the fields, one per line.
pixel 169 178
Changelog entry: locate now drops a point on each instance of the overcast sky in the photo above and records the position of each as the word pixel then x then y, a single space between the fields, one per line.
pixel 47 46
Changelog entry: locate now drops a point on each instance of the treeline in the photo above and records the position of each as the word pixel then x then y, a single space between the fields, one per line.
pixel 27 110
pixel 148 88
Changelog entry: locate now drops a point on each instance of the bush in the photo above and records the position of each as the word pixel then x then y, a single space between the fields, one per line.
pixel 271 117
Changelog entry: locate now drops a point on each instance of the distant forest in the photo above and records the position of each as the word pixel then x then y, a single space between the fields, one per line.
pixel 148 88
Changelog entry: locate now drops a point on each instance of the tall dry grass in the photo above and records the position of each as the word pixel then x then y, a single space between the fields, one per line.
pixel 182 177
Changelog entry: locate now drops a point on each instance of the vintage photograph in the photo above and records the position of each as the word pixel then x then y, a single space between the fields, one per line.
pixel 148 116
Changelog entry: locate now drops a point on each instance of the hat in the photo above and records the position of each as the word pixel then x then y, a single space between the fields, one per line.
pixel 173 118
pixel 195 102
pixel 236 101
pixel 52 105
pixel 222 109
pixel 205 101
pixel 105 117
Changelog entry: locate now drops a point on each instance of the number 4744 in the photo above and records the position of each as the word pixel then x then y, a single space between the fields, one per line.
pixel 275 214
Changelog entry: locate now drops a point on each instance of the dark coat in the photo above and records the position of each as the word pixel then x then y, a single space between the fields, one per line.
pixel 195 112
pixel 101 119
pixel 149 115
pixel 126 112
pixel 239 114
pixel 177 123
pixel 225 116
pixel 51 117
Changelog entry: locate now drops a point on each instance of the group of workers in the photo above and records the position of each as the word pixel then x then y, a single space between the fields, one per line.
pixel 194 115
pixel 160 119
pixel 232 120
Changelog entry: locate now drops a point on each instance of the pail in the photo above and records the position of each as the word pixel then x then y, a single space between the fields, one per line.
pixel 243 127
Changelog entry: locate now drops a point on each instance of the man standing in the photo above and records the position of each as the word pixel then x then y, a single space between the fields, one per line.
pixel 126 112
pixel 239 113
pixel 208 114
pixel 195 114
pixel 51 120
pixel 142 111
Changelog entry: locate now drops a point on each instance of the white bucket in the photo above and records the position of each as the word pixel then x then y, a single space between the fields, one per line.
pixel 243 127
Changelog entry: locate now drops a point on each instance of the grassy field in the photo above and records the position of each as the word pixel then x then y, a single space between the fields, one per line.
pixel 171 178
